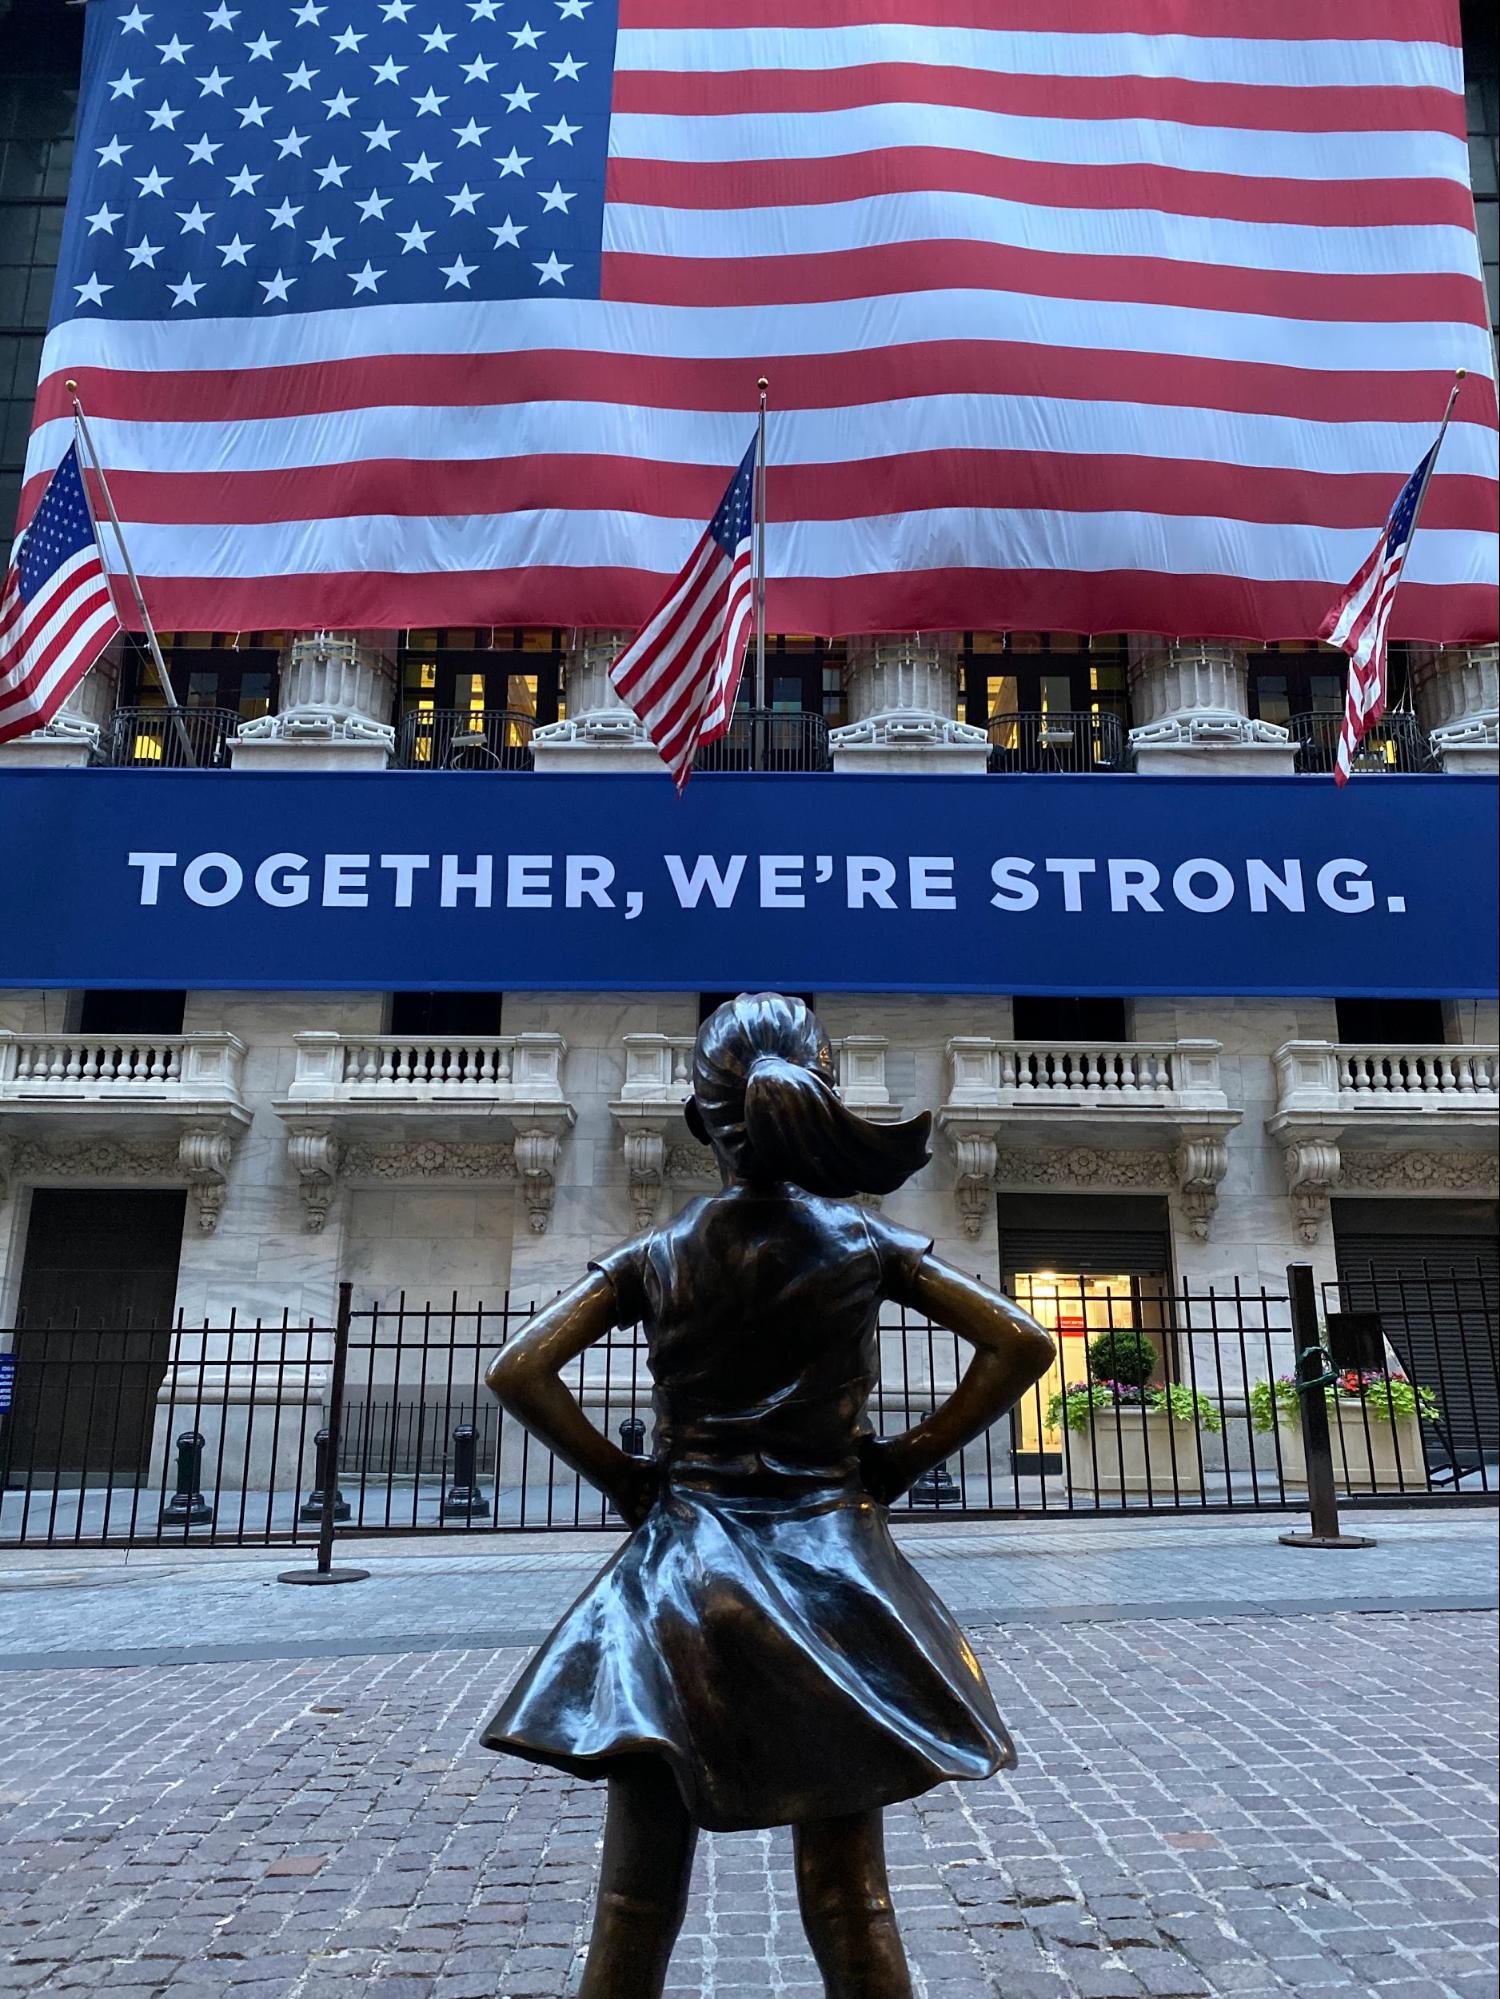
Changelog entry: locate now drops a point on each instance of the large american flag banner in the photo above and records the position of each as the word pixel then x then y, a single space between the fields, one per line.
pixel 1087 315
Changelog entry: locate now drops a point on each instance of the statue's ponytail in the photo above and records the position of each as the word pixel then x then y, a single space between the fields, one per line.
pixel 763 1095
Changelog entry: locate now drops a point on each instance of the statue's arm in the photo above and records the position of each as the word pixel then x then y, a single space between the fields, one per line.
pixel 1011 1354
pixel 526 1376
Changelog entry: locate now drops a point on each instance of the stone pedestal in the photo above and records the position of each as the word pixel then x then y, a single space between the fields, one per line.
pixel 79 732
pixel 903 704
pixel 1457 692
pixel 1190 698
pixel 600 732
pixel 338 692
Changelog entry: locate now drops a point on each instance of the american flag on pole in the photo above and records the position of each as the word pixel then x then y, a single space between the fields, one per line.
pixel 1358 621
pixel 57 614
pixel 1084 315
pixel 682 671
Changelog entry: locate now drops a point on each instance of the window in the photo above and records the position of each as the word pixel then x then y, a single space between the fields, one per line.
pixel 1391 1023
pixel 1045 1017
pixel 235 671
pixel 128 1012
pixel 468 671
pixel 1042 673
pixel 38 102
pixel 428 1016
pixel 804 676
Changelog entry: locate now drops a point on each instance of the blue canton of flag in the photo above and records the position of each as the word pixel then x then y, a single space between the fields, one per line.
pixel 268 157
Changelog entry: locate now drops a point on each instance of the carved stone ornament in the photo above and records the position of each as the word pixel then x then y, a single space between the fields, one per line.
pixel 1313 1170
pixel 690 1166
pixel 1420 1173
pixel 536 1163
pixel 645 1164
pixel 1200 1165
pixel 984 1166
pixel 315 1160
pixel 200 1156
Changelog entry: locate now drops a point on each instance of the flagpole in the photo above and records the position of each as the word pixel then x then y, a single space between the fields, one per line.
pixel 81 424
pixel 759 690
pixel 1416 512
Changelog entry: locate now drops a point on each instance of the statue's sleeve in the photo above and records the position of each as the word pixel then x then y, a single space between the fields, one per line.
pixel 900 1251
pixel 625 1268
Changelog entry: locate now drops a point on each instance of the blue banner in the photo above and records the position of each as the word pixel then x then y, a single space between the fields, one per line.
pixel 1113 885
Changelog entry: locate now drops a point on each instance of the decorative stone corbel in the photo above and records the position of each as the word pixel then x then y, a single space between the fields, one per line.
pixel 1313 1167
pixel 204 1152
pixel 314 1154
pixel 536 1163
pixel 1200 1165
pixel 977 1159
pixel 645 1163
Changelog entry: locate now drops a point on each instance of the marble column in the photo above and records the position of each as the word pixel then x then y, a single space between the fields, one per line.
pixel 1457 692
pixel 1190 700
pixel 338 693
pixel 79 730
pixel 902 690
pixel 600 732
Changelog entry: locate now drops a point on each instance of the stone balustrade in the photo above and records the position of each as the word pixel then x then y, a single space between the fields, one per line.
pixel 382 1108
pixel 1407 1119
pixel 1126 1116
pixel 124 1109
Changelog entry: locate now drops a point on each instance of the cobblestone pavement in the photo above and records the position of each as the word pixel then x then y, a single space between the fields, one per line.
pixel 79 1605
pixel 1269 1796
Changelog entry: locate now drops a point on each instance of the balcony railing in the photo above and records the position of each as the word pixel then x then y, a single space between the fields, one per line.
pixel 994 1072
pixel 1396 746
pixel 152 738
pixel 768 739
pixel 119 1069
pixel 465 739
pixel 498 1069
pixel 1319 1076
pixel 1056 742
pixel 659 1069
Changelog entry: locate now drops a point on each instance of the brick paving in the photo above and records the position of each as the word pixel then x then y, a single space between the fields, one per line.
pixel 1207 1804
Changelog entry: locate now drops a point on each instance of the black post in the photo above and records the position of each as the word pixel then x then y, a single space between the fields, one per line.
pixel 936 1487
pixel 464 1498
pixel 323 1469
pixel 1312 1400
pixel 325 1572
pixel 633 1437
pixel 187 1507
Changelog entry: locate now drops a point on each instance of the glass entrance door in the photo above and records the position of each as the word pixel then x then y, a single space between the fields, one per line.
pixel 1074 1306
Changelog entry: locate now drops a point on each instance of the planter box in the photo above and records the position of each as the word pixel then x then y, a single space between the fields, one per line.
pixel 1383 1457
pixel 1135 1451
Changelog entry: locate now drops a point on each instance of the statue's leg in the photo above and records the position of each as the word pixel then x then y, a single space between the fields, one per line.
pixel 845 1900
pixel 643 1884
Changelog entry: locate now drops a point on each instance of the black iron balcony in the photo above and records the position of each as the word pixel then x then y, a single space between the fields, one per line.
pixel 1056 742
pixel 1397 746
pixel 769 739
pixel 167 739
pixel 465 739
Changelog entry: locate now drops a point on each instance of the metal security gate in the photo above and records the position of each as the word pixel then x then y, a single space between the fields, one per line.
pixel 237 1410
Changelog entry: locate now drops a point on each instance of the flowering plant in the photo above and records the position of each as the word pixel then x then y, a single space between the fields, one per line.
pixel 1082 1400
pixel 1385 1398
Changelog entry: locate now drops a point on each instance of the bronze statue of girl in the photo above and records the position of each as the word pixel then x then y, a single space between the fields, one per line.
pixel 759 1653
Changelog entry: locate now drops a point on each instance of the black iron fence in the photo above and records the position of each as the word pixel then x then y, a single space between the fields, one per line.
pixel 465 739
pixel 768 739
pixel 170 739
pixel 1396 746
pixel 1057 742
pixel 1162 1401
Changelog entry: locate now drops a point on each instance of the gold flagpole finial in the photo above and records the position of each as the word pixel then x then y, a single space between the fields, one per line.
pixel 1461 375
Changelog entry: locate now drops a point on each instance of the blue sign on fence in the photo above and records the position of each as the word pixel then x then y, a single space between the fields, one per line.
pixel 7 1381
pixel 1014 885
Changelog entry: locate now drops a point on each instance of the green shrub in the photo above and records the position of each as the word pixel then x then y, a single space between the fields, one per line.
pixel 1123 1356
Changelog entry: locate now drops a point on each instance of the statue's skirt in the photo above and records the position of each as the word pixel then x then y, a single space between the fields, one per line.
pixel 778 1651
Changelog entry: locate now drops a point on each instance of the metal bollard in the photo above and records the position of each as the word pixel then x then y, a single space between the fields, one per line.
pixel 633 1437
pixel 463 1499
pixel 312 1506
pixel 936 1487
pixel 1314 1372
pixel 187 1507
